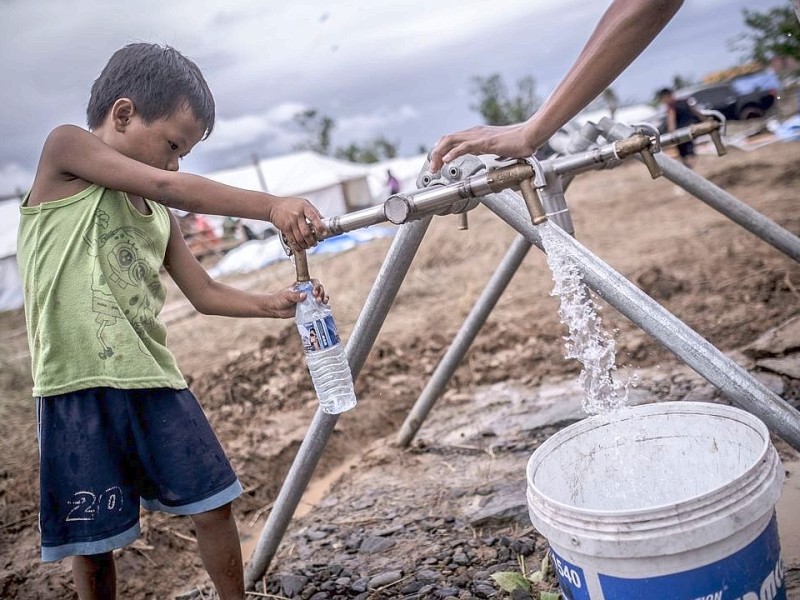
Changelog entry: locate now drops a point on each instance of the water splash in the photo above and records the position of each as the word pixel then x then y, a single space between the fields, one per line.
pixel 588 341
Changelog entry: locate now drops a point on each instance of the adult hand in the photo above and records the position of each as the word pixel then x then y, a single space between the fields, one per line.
pixel 298 220
pixel 506 140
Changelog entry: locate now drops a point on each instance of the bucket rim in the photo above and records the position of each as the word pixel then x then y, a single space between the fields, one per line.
pixel 656 408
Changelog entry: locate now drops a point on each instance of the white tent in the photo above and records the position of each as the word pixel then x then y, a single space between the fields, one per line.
pixel 333 186
pixel 405 170
pixel 635 113
pixel 10 284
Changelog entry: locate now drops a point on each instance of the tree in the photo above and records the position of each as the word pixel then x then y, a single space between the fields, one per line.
pixel 372 151
pixel 611 100
pixel 496 106
pixel 318 129
pixel 773 33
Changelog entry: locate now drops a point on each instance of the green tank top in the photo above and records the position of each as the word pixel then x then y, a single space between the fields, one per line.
pixel 90 271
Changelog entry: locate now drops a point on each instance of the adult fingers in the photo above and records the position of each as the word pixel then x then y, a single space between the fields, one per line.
pixel 319 292
pixel 315 218
pixel 307 237
pixel 445 146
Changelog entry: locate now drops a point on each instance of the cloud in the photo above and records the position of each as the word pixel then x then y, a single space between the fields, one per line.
pixel 364 64
pixel 367 126
pixel 250 129
pixel 275 131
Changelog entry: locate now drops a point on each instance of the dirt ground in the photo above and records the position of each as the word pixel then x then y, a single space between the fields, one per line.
pixel 418 506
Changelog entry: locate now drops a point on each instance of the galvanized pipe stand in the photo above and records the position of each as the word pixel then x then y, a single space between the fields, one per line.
pixel 552 198
pixel 384 290
pixel 733 381
pixel 717 198
pixel 458 191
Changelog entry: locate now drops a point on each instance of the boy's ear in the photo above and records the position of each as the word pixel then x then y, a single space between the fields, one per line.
pixel 122 112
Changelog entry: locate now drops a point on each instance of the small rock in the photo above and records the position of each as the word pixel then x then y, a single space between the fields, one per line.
pixel 385 578
pixel 374 545
pixel 411 588
pixel 773 382
pixel 428 576
pixel 363 503
pixel 520 594
pixel 785 365
pixel 291 585
pixel 360 585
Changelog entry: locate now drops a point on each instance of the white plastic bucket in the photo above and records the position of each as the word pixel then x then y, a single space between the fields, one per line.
pixel 669 501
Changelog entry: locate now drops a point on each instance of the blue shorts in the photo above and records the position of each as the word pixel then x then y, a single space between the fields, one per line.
pixel 104 451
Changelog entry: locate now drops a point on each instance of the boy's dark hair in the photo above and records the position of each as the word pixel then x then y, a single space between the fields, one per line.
pixel 158 79
pixel 664 92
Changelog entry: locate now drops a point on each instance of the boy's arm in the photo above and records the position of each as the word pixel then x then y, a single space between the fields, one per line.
pixel 210 297
pixel 72 151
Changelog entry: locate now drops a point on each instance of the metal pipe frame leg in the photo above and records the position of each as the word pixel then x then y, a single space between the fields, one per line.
pixel 733 381
pixel 463 340
pixel 730 206
pixel 717 198
pixel 384 290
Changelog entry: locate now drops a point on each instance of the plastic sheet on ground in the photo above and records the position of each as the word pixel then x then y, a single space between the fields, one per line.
pixel 257 254
pixel 789 130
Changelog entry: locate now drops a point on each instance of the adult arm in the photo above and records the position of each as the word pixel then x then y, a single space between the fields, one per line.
pixel 625 29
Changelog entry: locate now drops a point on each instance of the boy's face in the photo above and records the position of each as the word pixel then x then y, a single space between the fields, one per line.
pixel 162 143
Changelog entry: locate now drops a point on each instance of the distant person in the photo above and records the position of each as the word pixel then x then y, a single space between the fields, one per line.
pixel 680 113
pixel 625 29
pixel 230 228
pixel 118 426
pixel 392 183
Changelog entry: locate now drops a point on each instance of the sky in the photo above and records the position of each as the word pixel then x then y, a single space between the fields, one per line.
pixel 402 70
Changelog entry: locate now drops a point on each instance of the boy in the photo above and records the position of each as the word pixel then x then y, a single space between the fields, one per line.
pixel 117 424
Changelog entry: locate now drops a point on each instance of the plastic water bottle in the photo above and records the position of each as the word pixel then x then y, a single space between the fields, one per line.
pixel 325 355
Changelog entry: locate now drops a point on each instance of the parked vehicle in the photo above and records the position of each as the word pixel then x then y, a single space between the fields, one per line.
pixel 747 97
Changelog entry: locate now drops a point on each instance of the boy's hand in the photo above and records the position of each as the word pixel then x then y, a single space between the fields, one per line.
pixel 298 220
pixel 281 305
pixel 319 292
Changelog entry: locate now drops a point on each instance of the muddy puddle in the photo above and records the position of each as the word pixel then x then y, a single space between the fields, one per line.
pixel 249 532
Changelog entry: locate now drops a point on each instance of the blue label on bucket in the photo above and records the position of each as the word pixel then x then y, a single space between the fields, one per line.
pixel 753 573
pixel 570 578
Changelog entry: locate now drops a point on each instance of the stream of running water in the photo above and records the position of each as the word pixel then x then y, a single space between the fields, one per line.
pixel 587 340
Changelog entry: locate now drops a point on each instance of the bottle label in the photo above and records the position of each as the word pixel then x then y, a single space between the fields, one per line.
pixel 319 334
